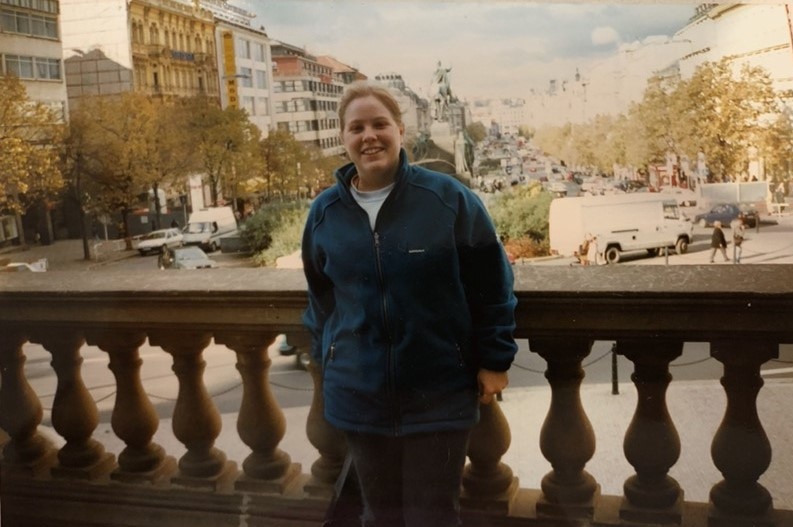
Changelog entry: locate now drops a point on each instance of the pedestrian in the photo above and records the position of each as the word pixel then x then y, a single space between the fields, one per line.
pixel 738 230
pixel 583 250
pixel 718 242
pixel 593 251
pixel 411 312
pixel 174 224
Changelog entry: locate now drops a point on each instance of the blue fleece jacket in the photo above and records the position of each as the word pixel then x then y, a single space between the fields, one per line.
pixel 404 316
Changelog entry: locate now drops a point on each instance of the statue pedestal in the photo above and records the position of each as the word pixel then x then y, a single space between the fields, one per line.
pixel 441 134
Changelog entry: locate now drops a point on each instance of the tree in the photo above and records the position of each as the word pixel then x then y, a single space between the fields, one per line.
pixel 477 131
pixel 220 138
pixel 30 138
pixel 114 145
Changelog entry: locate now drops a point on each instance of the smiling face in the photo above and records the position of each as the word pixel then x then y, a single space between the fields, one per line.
pixel 372 138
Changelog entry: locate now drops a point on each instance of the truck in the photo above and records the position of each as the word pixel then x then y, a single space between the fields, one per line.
pixel 622 223
pixel 206 227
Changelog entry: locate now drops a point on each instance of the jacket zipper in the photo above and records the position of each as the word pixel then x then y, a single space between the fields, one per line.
pixel 390 382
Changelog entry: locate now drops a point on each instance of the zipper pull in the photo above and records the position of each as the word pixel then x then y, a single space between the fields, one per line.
pixel 332 351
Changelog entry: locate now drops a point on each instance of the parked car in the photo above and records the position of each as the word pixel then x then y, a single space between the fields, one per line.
pixel 190 257
pixel 726 213
pixel 156 241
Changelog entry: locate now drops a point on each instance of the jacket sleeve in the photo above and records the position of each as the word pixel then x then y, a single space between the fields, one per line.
pixel 488 282
pixel 320 291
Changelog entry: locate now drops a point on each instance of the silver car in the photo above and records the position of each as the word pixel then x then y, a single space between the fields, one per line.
pixel 158 240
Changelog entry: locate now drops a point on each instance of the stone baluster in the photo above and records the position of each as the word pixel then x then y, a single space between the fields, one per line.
pixel 328 440
pixel 134 418
pixel 651 444
pixel 740 448
pixel 196 420
pixel 566 439
pixel 487 482
pixel 74 412
pixel 261 423
pixel 27 451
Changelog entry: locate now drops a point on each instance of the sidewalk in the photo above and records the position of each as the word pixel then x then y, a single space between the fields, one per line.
pixel 62 255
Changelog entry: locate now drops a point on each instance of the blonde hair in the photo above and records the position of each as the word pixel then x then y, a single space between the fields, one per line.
pixel 365 88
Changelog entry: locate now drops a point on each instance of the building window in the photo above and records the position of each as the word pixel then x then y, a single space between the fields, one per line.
pixel 246 77
pixel 247 104
pixel 261 79
pixel 22 23
pixel 261 106
pixel 38 68
pixel 258 52
pixel 49 69
pixel 22 67
pixel 48 6
pixel 243 48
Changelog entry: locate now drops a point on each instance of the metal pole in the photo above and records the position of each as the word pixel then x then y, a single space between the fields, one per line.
pixel 615 387
pixel 666 255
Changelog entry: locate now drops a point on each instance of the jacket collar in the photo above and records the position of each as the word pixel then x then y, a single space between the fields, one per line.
pixel 345 174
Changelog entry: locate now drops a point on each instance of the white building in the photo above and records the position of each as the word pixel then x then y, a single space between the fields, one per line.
pixel 415 110
pixel 509 114
pixel 31 49
pixel 244 62
pixel 754 34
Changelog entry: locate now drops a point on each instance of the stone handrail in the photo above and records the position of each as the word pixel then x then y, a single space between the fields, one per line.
pixel 744 312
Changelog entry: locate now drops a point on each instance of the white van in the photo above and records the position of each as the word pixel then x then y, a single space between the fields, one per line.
pixel 206 226
pixel 622 223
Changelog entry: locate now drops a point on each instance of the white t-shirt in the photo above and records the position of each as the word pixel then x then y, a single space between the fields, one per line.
pixel 371 201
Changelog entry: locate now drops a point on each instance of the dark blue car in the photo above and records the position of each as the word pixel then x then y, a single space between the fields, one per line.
pixel 726 213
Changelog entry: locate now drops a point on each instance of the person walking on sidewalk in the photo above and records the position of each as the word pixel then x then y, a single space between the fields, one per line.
pixel 411 313
pixel 738 230
pixel 718 242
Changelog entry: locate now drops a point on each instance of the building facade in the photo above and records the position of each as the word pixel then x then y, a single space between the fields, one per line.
pixel 306 97
pixel 163 48
pixel 753 34
pixel 30 50
pixel 244 61
pixel 415 110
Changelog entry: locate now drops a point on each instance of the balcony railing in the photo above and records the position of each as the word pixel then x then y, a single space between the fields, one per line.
pixel 743 312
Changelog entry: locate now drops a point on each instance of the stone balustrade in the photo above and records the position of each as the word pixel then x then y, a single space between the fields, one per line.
pixel 744 312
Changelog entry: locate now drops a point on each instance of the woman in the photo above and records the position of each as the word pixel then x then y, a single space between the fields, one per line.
pixel 411 311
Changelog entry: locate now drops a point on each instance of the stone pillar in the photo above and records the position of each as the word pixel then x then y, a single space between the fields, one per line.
pixel 27 452
pixel 328 440
pixel 260 422
pixel 740 449
pixel 487 482
pixel 196 420
pixel 566 439
pixel 651 444
pixel 134 418
pixel 74 412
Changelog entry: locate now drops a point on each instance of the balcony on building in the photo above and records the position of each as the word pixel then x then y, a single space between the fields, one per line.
pixel 69 475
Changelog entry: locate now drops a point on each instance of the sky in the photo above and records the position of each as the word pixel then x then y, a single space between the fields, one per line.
pixel 496 48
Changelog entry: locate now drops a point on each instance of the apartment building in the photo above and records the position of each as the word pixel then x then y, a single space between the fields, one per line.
pixel 164 48
pixel 306 94
pixel 415 110
pixel 244 61
pixel 30 49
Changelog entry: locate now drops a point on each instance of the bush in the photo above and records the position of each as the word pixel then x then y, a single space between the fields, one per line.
pixel 275 230
pixel 522 214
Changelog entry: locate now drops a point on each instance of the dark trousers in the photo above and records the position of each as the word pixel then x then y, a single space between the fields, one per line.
pixel 410 481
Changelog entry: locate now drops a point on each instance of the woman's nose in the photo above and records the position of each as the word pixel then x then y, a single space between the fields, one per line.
pixel 369 134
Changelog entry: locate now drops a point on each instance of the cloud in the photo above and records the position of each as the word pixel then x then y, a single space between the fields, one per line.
pixel 602 36
pixel 496 48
